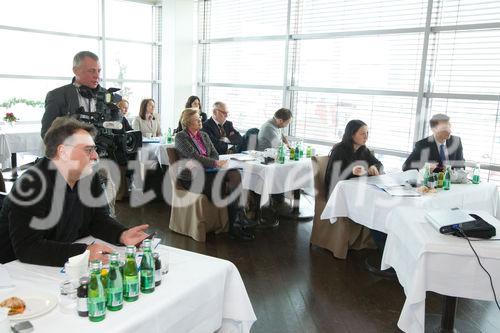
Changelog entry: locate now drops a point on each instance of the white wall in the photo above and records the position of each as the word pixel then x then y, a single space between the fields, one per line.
pixel 178 55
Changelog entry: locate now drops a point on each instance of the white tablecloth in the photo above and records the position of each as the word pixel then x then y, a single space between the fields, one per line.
pixel 368 205
pixel 274 178
pixel 199 294
pixel 19 139
pixel 426 260
pixel 155 151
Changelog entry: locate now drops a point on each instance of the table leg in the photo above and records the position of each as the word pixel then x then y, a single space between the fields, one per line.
pixel 446 322
pixel 449 311
pixel 13 167
pixel 296 213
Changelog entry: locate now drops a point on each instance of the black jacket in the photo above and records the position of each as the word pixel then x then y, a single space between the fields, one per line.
pixel 426 150
pixel 62 101
pixel 346 158
pixel 51 243
pixel 212 129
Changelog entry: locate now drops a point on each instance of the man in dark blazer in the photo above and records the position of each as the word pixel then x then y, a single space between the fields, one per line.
pixel 221 131
pixel 66 100
pixel 439 149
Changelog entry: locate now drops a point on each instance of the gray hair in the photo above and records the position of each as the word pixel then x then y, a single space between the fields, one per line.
pixel 219 105
pixel 78 58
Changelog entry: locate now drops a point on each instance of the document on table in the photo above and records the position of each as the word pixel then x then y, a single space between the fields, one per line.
pixel 401 191
pixel 394 180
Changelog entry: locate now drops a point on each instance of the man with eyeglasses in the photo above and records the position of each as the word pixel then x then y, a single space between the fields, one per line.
pixel 58 201
pixel 221 131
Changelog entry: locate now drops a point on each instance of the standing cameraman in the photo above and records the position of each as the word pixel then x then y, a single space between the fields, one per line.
pixel 66 100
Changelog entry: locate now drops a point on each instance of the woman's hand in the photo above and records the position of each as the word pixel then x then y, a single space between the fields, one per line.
pixel 358 170
pixel 220 164
pixel 373 171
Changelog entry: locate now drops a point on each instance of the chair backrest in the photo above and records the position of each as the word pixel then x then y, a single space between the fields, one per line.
pixel 319 166
pixel 172 155
pixel 249 140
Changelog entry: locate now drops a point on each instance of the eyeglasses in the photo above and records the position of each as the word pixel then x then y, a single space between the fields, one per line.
pixel 88 149
pixel 225 113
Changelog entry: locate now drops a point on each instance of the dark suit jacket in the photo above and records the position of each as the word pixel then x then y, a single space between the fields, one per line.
pixel 212 129
pixel 426 151
pixel 187 149
pixel 62 101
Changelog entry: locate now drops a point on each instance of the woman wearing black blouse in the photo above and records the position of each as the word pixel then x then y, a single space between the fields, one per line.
pixel 351 158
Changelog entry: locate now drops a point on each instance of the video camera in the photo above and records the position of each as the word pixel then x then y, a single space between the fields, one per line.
pixel 112 140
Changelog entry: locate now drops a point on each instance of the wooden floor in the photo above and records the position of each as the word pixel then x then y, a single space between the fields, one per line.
pixel 297 288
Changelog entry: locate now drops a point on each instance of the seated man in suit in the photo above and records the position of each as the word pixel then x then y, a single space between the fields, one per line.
pixel 439 149
pixel 221 131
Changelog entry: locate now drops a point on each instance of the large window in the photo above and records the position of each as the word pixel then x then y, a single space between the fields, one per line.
pixel 40 38
pixel 390 63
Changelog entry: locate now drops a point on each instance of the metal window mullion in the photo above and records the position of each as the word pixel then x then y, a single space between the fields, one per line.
pixel 285 93
pixel 48 32
pixel 238 85
pixel 419 115
pixel 354 33
pixel 356 91
pixel 459 27
pixel 204 50
pixel 103 40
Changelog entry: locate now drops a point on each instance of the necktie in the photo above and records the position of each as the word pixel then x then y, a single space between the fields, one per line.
pixel 442 155
pixel 221 130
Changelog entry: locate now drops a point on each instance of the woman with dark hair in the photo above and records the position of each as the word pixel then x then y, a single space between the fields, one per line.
pixel 350 158
pixel 147 121
pixel 193 102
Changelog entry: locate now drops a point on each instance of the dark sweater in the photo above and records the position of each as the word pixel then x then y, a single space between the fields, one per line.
pixel 347 158
pixel 51 242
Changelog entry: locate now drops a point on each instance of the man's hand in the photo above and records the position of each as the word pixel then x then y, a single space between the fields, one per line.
pixel 432 166
pixel 97 250
pixel 358 170
pixel 134 235
pixel 373 171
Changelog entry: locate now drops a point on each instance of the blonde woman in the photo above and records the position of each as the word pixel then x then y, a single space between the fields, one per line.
pixel 193 144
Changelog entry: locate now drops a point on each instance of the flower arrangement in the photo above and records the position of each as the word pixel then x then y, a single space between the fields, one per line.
pixel 9 117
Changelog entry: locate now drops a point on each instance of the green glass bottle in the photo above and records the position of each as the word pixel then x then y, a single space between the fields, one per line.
pixel 297 152
pixel 301 149
pixel 309 152
pixel 281 154
pixel 476 174
pixel 447 179
pixel 427 174
pixel 114 293
pixel 147 268
pixel 96 301
pixel 130 276
pixel 169 135
pixel 292 153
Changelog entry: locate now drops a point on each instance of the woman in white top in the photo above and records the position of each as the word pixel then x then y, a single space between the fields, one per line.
pixel 147 121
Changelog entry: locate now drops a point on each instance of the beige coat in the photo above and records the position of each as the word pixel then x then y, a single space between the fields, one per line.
pixel 146 127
